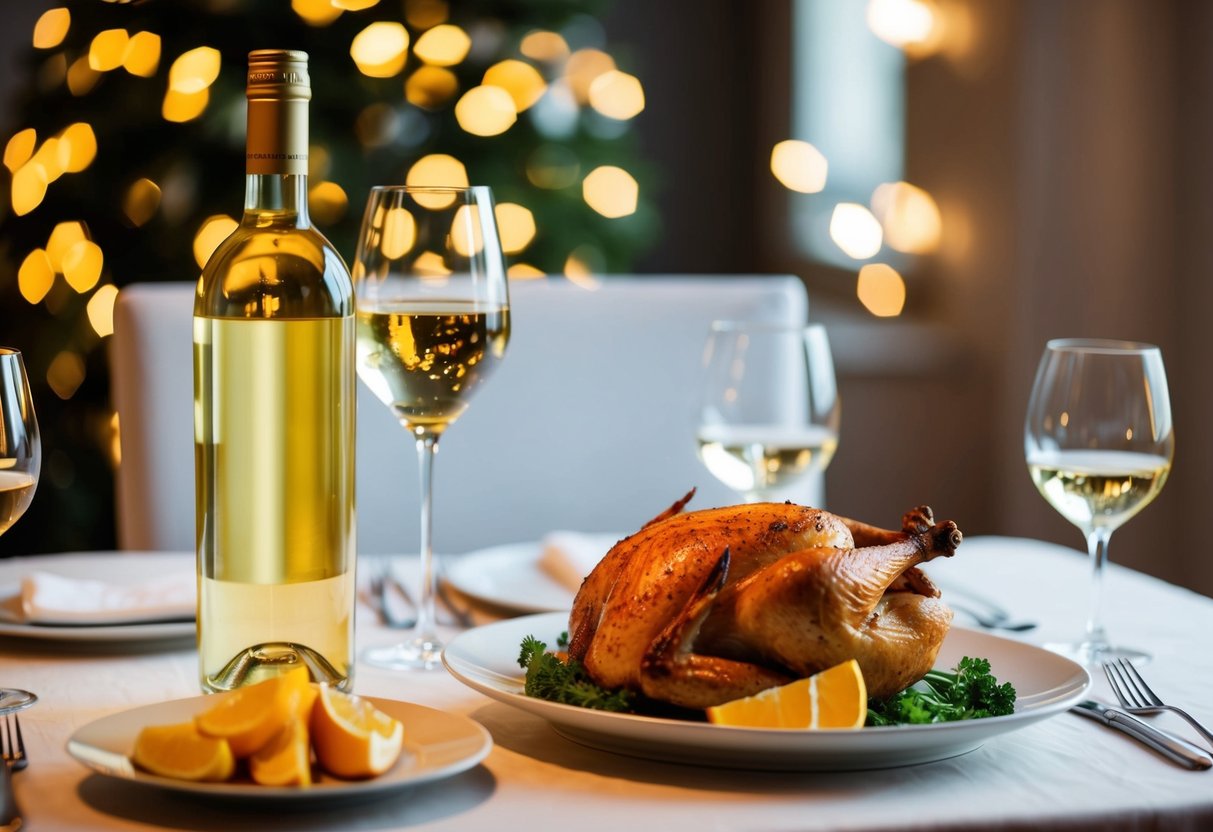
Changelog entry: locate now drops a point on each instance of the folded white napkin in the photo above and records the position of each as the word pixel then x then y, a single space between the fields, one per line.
pixel 47 598
pixel 569 556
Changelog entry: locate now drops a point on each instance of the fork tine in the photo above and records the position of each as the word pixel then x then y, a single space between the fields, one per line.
pixel 20 739
pixel 1139 683
pixel 6 741
pixel 1113 674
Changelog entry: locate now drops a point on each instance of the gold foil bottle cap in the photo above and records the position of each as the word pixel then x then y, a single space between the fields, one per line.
pixel 278 73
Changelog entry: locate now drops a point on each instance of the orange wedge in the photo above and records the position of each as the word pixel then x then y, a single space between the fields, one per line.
pixel 250 717
pixel 833 698
pixel 181 752
pixel 353 739
pixel 286 760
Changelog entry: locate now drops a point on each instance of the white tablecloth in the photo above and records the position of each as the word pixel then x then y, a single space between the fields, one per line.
pixel 1064 773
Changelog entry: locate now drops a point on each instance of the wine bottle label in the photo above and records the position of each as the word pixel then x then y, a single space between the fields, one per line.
pixel 278 91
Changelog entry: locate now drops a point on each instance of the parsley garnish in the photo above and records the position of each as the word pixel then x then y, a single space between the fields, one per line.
pixel 547 677
pixel 969 692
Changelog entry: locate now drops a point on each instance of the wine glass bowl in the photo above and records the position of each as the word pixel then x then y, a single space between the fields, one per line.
pixel 20 446
pixel 769 413
pixel 1098 441
pixel 433 321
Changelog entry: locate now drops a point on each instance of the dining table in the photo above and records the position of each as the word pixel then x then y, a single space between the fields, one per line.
pixel 1062 772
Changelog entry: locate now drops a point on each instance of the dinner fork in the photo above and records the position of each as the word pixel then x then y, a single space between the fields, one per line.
pixel 1137 698
pixel 383 585
pixel 12 752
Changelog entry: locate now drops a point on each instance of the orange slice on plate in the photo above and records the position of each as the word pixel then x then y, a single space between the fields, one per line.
pixel 179 751
pixel 833 698
pixel 354 739
pixel 286 760
pixel 250 717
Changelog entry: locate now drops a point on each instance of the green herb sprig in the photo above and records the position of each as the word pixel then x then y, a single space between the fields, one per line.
pixel 969 692
pixel 568 682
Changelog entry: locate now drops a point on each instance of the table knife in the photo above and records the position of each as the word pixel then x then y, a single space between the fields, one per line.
pixel 1169 745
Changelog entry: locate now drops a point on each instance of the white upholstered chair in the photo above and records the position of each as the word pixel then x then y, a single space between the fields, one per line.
pixel 588 424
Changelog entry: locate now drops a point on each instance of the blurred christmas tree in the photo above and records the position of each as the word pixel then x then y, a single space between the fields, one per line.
pixel 129 162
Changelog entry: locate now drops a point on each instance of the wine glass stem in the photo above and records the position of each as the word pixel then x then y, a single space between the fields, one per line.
pixel 1097 548
pixel 427 449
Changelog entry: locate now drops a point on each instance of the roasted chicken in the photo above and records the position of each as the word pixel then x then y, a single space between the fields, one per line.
pixel 700 608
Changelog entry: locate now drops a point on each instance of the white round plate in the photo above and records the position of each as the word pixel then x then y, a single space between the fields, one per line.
pixel 437 744
pixel 508 577
pixel 486 659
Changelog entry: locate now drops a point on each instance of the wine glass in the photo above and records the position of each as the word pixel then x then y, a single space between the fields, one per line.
pixel 769 412
pixel 433 314
pixel 1098 441
pixel 20 448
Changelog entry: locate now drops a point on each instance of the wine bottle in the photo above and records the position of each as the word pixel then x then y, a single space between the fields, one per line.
pixel 274 416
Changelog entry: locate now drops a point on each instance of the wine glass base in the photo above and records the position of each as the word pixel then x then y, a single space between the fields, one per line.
pixel 1090 654
pixel 421 653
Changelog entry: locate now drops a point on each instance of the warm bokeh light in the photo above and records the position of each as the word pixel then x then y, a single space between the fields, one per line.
pixel 425 14
pixel 611 191
pixel 881 290
pixel 51 28
pixel 552 167
pixel 430 264
pixel 466 237
pixel 399 233
pixel 486 111
pixel 77 147
pixel 379 50
pixel 36 276
pixel 65 374
pixel 327 202
pixel 354 5
pixel 542 45
pixel 142 54
pixel 854 230
pixel 524 271
pixel 141 201
pixel 579 267
pixel 184 106
pixel 429 87
pixel 47 157
pixel 108 49
pixel 583 68
pixel 194 71
pixel 521 80
pixel 213 231
pixel 20 148
pixel 799 166
pixel 444 45
pixel 914 26
pixel 81 77
pixel 101 309
pixel 29 188
pixel 316 12
pixel 910 217
pixel 82 265
pixel 437 170
pixel 617 95
pixel 516 225
pixel 62 237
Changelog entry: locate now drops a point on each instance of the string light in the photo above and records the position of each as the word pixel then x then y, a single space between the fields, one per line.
pixel 52 28
pixel 62 237
pixel 444 45
pixel 20 148
pixel 142 55
pixel 881 290
pixel 611 191
pixel 854 230
pixel 82 264
pixel 799 166
pixel 486 111
pixel 617 95
pixel 77 147
pixel 108 49
pixel 379 50
pixel 36 276
pixel 521 80
pixel 29 188
pixel 195 70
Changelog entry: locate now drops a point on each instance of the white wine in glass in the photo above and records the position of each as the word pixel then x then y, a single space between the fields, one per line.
pixel 433 319
pixel 20 447
pixel 1098 440
pixel 769 414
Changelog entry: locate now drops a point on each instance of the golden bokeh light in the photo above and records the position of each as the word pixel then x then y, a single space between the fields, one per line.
pixel 36 276
pixel 521 80
pixel 62 237
pixel 467 239
pixel 486 111
pixel 29 188
pixel 379 50
pixel 194 71
pixel 799 166
pixel 213 231
pixel 20 148
pixel 542 45
pixel 583 68
pixel 437 170
pixel 515 225
pixel 77 147
pixel 142 56
pixel 611 191
pixel 617 95
pixel 444 45
pixel 881 290
pixel 82 265
pixel 316 12
pixel 914 26
pixel 108 49
pixel 184 106
pixel 425 14
pixel 65 374
pixel 141 200
pixel 51 28
pixel 354 5
pixel 327 202
pixel 430 87
pixel 101 309
pixel 399 233
pixel 47 158
pixel 579 267
pixel 524 271
pixel 430 264
pixel 854 230
pixel 81 78
pixel 910 217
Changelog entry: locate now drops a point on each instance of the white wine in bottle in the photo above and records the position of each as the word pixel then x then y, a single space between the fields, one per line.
pixel 274 416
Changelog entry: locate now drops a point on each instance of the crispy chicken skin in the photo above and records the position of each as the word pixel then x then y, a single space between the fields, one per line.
pixel 700 608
